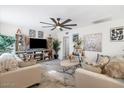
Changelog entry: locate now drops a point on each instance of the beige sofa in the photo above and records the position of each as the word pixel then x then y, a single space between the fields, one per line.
pixel 88 79
pixel 22 77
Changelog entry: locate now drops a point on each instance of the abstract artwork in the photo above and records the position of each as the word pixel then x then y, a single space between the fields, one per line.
pixel 93 42
pixel 40 34
pixel 6 42
pixel 32 33
pixel 117 34
pixel 75 37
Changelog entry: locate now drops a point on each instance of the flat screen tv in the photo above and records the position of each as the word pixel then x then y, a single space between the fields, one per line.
pixel 38 43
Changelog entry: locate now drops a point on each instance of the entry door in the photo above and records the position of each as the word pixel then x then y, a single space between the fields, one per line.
pixel 65 47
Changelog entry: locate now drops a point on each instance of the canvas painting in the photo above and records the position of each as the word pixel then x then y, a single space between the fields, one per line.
pixel 117 34
pixel 32 33
pixel 75 37
pixel 93 42
pixel 40 34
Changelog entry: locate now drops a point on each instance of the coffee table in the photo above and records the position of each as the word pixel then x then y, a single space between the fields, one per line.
pixel 68 65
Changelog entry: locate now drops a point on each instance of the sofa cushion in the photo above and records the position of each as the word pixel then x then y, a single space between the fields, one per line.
pixel 88 61
pixel 18 59
pixel 91 68
pixel 102 60
pixel 115 69
pixel 117 59
pixel 8 62
pixel 27 63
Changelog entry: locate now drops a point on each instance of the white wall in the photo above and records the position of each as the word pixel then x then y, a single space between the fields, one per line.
pixel 108 47
pixel 9 29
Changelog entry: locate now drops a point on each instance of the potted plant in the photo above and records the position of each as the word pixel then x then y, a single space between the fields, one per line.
pixel 56 47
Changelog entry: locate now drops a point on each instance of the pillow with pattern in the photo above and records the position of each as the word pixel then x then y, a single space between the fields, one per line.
pixel 102 60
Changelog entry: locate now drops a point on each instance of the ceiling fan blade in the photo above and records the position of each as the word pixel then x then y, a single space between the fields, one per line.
pixel 53 28
pixel 67 27
pixel 66 21
pixel 46 23
pixel 61 29
pixel 70 25
pixel 54 20
pixel 46 26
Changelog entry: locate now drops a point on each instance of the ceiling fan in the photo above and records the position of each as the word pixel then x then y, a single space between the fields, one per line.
pixel 58 25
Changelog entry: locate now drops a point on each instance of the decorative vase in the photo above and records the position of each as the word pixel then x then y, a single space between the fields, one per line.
pixel 56 56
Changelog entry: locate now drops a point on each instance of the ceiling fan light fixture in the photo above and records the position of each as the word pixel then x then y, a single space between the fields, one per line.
pixel 58 27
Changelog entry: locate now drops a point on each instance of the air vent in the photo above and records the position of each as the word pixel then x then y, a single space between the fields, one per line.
pixel 102 20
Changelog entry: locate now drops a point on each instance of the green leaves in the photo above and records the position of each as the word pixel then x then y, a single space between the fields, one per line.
pixel 56 45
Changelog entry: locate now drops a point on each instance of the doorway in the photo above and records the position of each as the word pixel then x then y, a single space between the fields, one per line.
pixel 65 47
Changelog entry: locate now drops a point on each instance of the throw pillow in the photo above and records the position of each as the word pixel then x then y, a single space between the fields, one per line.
pixel 91 68
pixel 2 67
pixel 114 69
pixel 18 59
pixel 102 60
pixel 88 61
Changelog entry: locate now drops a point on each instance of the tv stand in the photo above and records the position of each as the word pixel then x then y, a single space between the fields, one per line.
pixel 36 54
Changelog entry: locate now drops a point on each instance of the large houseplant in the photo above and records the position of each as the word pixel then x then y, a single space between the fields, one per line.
pixel 56 47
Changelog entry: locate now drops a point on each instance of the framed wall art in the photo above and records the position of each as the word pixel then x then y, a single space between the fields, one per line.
pixel 32 33
pixel 40 34
pixel 93 42
pixel 75 37
pixel 117 34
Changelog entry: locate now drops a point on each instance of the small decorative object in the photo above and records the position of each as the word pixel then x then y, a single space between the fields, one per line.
pixel 93 42
pixel 117 34
pixel 75 37
pixel 32 33
pixel 20 42
pixel 18 31
pixel 40 34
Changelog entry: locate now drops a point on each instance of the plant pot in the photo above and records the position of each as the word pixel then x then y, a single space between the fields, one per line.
pixel 56 56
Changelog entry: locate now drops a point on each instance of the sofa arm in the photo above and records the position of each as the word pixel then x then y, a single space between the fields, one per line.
pixel 88 79
pixel 22 77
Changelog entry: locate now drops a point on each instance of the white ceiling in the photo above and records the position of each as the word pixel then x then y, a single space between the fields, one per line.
pixel 82 15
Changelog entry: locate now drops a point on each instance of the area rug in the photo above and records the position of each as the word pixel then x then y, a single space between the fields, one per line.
pixel 53 76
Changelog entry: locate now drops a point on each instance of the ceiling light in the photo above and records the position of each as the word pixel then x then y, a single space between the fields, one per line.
pixel 58 27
